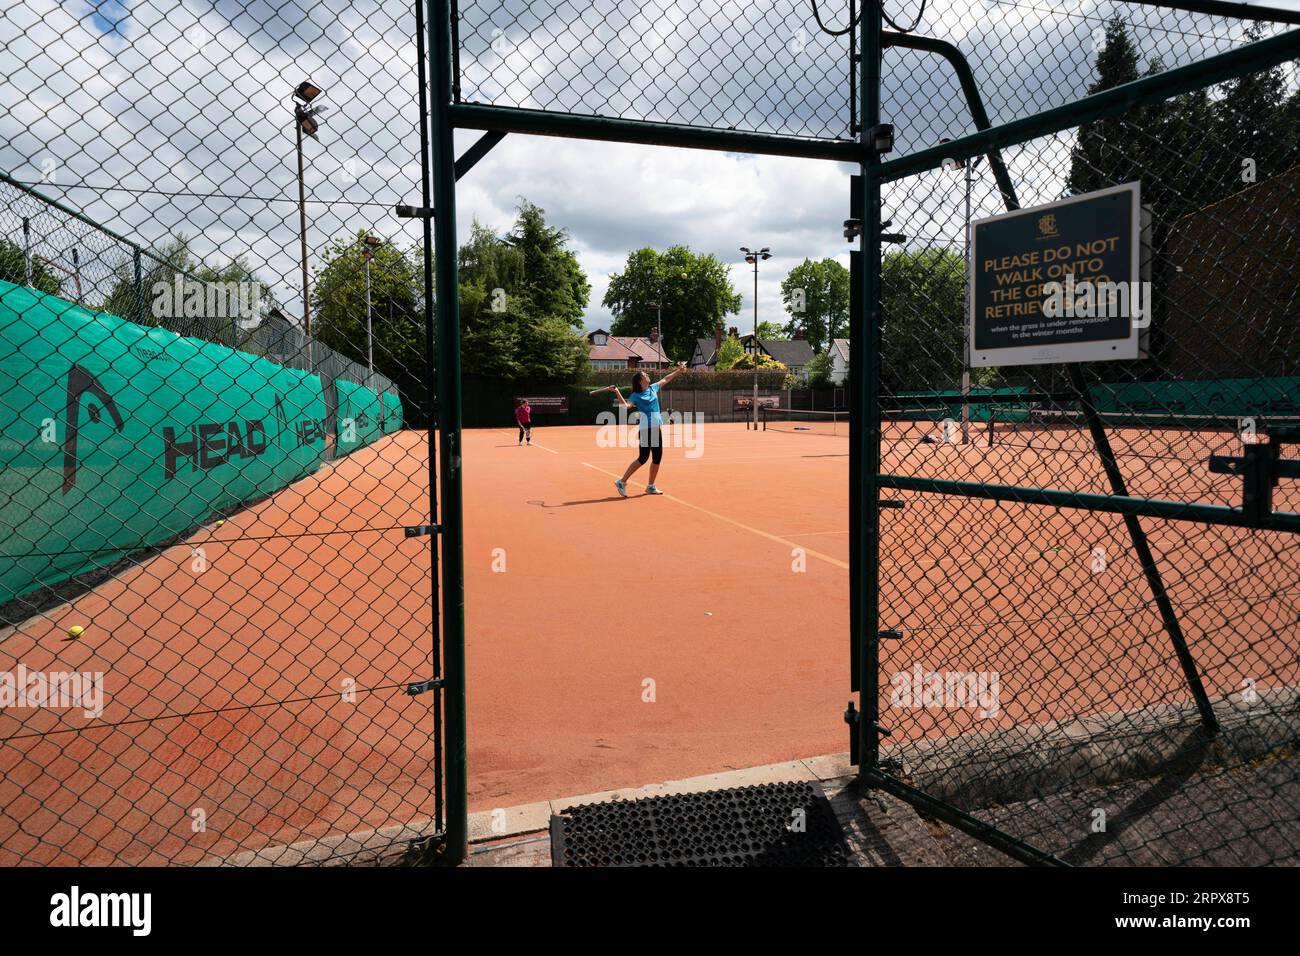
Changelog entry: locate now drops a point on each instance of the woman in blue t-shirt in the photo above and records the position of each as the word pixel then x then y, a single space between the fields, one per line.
pixel 645 399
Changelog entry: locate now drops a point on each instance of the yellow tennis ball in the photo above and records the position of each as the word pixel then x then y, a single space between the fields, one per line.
pixel 76 630
pixel 220 522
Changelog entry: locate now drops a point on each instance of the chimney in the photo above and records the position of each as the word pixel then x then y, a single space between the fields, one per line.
pixel 732 331
pixel 653 336
pixel 799 335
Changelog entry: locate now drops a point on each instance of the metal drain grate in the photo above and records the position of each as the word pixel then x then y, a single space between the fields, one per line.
pixel 772 824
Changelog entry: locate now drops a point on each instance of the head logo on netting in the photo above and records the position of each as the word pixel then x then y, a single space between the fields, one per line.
pixel 80 382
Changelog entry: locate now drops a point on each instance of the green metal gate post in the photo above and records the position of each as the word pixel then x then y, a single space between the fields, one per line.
pixel 431 414
pixel 447 303
pixel 867 446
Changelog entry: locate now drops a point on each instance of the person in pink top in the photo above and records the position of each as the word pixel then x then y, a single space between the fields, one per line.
pixel 524 416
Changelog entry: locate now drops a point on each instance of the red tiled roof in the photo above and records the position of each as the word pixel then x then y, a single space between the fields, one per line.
pixel 642 347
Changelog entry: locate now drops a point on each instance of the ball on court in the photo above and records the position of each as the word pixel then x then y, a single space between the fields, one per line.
pixel 220 522
pixel 76 630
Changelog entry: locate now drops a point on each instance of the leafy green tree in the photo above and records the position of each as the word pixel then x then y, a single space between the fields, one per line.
pixel 491 305
pixel 772 332
pixel 1253 122
pixel 923 318
pixel 729 353
pixel 760 360
pixel 338 298
pixel 13 268
pixel 163 264
pixel 820 370
pixel 822 288
pixel 522 298
pixel 552 281
pixel 1103 154
pixel 693 290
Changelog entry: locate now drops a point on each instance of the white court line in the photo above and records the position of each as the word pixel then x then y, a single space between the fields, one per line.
pixel 732 521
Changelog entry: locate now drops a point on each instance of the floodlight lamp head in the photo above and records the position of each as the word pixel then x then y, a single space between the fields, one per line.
pixel 307 91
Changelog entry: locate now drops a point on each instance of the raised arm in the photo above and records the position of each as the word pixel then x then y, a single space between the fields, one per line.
pixel 619 395
pixel 681 366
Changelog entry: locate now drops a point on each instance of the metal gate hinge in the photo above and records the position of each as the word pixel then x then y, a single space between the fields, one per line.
pixel 413 212
pixel 424 686
pixel 420 530
pixel 890 635
pixel 892 503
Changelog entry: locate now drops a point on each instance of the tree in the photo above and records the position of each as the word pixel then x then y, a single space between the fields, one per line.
pixel 338 298
pixel 1253 122
pixel 923 319
pixel 820 370
pixel 693 290
pixel 13 268
pixel 760 360
pixel 163 264
pixel 1103 154
pixel 816 294
pixel 772 332
pixel 521 302
pixel 729 352
pixel 552 282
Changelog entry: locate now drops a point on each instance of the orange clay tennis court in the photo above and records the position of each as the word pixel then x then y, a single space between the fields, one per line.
pixel 729 593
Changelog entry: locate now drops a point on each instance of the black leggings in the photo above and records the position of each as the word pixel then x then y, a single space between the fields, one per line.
pixel 655 448
pixel 525 428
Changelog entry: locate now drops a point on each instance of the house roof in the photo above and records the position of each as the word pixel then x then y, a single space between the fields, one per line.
pixel 796 353
pixel 613 349
pixel 620 348
pixel 706 348
pixel 841 346
pixel 641 347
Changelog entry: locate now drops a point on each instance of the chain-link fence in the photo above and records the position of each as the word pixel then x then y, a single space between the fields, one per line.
pixel 219 638
pixel 221 646
pixel 1096 631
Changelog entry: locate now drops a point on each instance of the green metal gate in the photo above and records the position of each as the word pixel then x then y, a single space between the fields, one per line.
pixel 1076 609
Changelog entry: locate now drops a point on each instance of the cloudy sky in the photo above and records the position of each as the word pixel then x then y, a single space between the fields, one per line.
pixel 159 116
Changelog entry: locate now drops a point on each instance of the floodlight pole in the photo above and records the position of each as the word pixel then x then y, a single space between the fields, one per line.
pixel 302 234
pixel 968 167
pixel 754 256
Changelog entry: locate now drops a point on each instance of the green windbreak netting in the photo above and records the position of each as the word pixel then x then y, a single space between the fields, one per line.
pixel 114 436
pixel 392 411
pixel 363 415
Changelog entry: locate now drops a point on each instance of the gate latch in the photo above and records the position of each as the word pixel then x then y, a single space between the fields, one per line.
pixel 424 686
pixel 420 530
pixel 1260 467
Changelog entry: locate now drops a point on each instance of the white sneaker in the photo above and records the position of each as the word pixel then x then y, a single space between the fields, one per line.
pixel 621 486
pixel 653 490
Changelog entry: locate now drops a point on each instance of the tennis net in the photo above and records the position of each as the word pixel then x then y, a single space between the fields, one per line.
pixel 1155 435
pixel 805 421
